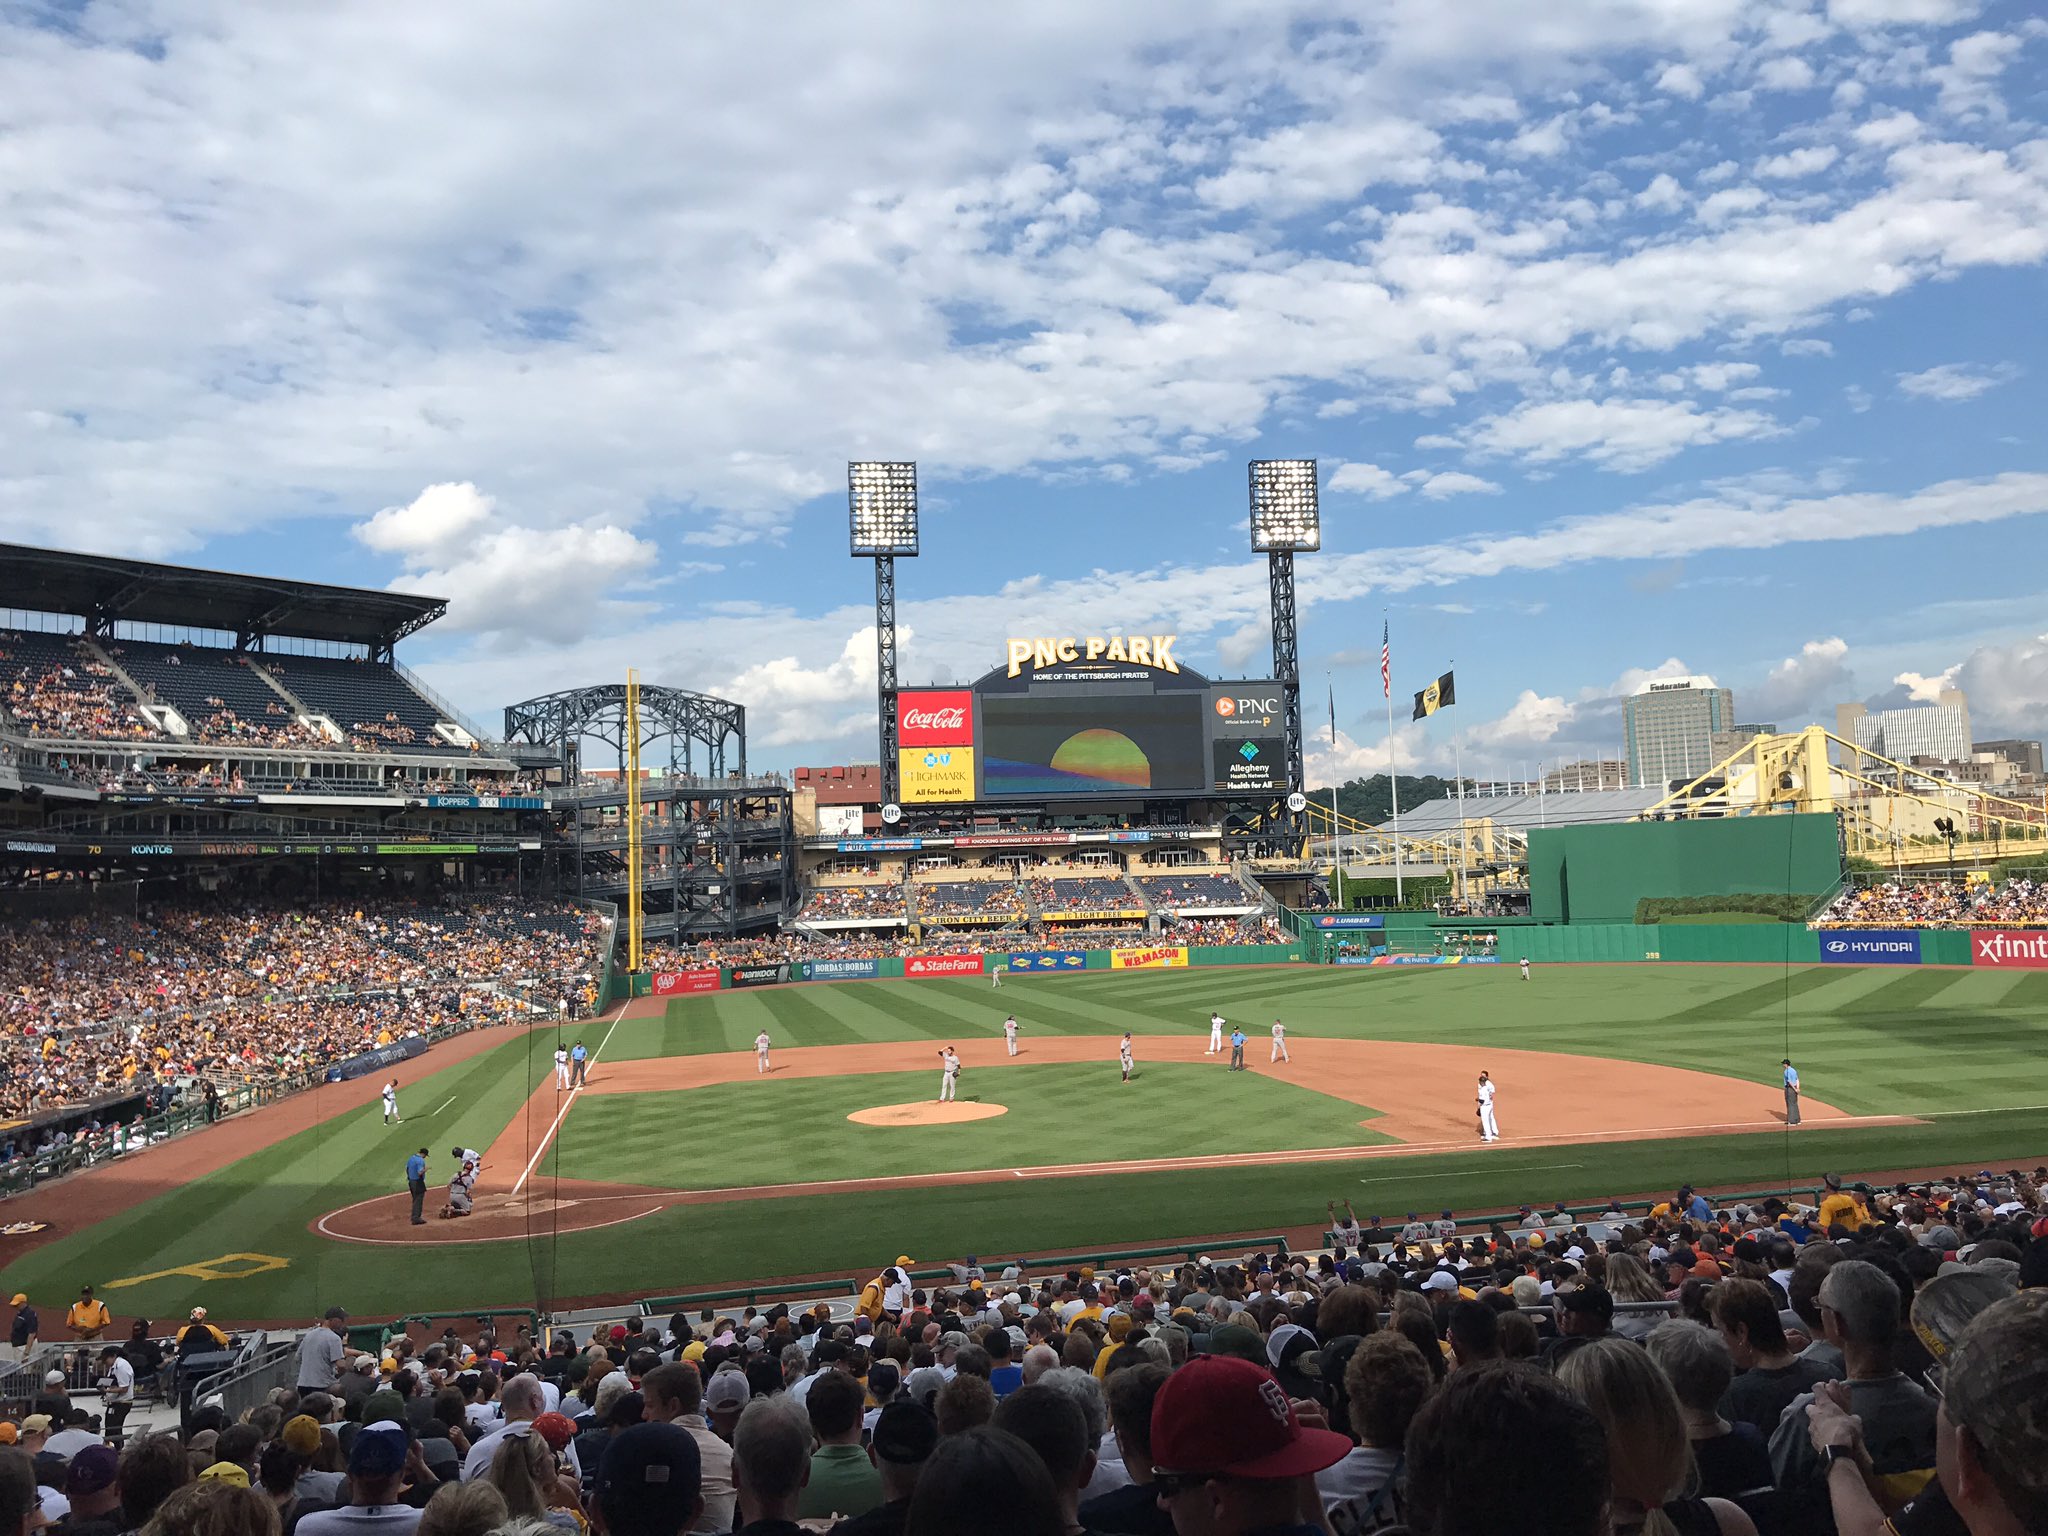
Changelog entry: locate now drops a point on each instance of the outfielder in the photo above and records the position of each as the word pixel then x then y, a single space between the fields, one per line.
pixel 1123 1053
pixel 1215 1035
pixel 1279 1043
pixel 761 1044
pixel 1010 1033
pixel 1525 967
pixel 561 1066
pixel 949 1074
pixel 391 1102
pixel 1489 1128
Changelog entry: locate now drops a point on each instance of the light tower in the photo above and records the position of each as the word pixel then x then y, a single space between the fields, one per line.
pixel 881 499
pixel 1286 518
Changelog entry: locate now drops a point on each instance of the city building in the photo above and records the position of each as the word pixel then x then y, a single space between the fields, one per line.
pixel 1670 725
pixel 1940 730
pixel 2025 756
pixel 1731 741
pixel 1601 773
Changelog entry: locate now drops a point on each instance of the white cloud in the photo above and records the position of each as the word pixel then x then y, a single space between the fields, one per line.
pixel 1889 132
pixel 1968 80
pixel 1632 680
pixel 788 702
pixel 1447 483
pixel 1730 202
pixel 1801 686
pixel 1900 13
pixel 1954 381
pixel 1922 689
pixel 1663 194
pixel 1531 721
pixel 1541 141
pixel 504 579
pixel 1365 480
pixel 2008 687
pixel 1787 72
pixel 1807 346
pixel 1681 80
pixel 1798 162
pixel 1617 434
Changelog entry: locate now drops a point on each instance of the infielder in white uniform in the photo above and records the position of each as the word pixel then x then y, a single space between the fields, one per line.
pixel 1489 1128
pixel 949 1074
pixel 561 1066
pixel 1010 1033
pixel 1123 1054
pixel 1279 1043
pixel 761 1044
pixel 391 1102
pixel 1215 1035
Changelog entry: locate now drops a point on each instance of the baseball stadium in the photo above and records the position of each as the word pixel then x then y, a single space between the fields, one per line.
pixel 658 1025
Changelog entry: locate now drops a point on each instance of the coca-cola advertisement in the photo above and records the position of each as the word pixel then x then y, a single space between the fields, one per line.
pixel 935 718
pixel 942 965
pixel 669 983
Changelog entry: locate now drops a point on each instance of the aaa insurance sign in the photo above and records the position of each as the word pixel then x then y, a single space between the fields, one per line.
pixel 2010 948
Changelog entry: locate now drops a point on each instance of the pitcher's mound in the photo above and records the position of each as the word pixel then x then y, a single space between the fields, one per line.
pixel 924 1113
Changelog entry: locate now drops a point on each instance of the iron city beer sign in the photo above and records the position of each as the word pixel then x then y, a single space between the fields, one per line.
pixel 1050 651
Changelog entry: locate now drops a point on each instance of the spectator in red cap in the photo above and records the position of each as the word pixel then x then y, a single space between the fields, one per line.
pixel 1231 1455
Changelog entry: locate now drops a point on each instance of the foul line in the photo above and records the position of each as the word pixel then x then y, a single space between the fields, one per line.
pixel 1469 1173
pixel 563 1112
pixel 438 1108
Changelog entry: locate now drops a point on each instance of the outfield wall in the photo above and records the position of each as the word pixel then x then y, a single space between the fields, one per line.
pixel 1597 874
pixel 1154 957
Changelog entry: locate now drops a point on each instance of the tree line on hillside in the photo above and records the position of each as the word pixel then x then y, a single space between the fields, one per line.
pixel 1372 801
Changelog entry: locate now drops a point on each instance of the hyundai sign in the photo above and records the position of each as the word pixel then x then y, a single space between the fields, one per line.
pixel 1871 946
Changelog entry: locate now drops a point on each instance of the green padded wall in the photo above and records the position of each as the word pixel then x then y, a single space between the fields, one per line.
pixel 1597 874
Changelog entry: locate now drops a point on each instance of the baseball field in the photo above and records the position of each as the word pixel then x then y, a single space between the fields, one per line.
pixel 679 1166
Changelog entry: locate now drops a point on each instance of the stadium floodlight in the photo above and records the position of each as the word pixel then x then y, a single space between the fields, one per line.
pixel 881 497
pixel 1286 513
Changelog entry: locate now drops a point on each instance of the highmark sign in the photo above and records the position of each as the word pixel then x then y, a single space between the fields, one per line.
pixel 1051 651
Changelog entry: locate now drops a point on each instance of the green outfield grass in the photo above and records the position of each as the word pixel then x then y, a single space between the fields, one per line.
pixel 793 1129
pixel 1959 1047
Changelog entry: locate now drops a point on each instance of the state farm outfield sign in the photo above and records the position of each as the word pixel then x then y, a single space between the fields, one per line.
pixel 942 965
pixel 2010 948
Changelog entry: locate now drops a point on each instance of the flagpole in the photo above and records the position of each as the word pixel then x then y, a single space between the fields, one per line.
pixel 1336 836
pixel 1393 779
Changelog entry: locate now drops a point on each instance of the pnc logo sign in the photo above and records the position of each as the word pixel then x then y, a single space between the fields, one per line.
pixel 1247 709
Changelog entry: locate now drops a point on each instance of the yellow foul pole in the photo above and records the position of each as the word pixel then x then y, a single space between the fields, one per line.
pixel 633 907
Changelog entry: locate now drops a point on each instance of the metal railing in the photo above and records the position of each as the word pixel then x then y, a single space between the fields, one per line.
pixel 262 1366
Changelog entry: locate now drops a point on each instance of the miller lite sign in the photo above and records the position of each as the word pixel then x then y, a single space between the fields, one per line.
pixel 935 718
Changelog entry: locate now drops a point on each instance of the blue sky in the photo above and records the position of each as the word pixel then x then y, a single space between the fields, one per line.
pixel 1631 337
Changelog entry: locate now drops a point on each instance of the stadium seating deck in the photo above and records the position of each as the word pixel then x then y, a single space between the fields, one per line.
pixel 1089 894
pixel 218 693
pixel 371 703
pixel 52 689
pixel 1193 891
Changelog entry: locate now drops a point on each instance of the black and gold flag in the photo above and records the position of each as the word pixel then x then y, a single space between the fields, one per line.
pixel 1441 694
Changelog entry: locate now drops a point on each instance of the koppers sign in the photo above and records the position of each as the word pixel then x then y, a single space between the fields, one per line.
pixel 935 718
pixel 942 965
pixel 2011 948
pixel 1872 946
pixel 1159 957
pixel 669 983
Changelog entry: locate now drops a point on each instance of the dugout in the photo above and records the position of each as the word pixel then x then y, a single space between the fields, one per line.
pixel 1597 874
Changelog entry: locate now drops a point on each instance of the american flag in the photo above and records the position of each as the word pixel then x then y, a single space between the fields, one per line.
pixel 1386 663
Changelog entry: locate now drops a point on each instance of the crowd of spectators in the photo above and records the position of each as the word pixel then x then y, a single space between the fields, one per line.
pixel 970 898
pixel 1878 1363
pixel 279 727
pixel 1182 892
pixel 790 947
pixel 381 735
pixel 90 1002
pixel 72 696
pixel 1092 893
pixel 1937 903
pixel 855 901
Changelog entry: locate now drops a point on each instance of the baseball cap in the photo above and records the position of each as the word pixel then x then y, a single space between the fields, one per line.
pixel 301 1434
pixel 229 1472
pixel 378 1451
pixel 53 1378
pixel 1237 1342
pixel 1941 1239
pixel 555 1428
pixel 1229 1418
pixel 648 1479
pixel 1440 1280
pixel 905 1434
pixel 36 1424
pixel 1950 1302
pixel 92 1470
pixel 1993 1383
pixel 20 1299
pixel 9 1432
pixel 728 1389
pixel 337 1314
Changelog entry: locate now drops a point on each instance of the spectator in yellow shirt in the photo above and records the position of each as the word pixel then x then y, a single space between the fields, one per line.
pixel 88 1319
pixel 1847 1208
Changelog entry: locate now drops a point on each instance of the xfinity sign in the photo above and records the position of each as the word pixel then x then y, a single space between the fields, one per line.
pixel 1871 946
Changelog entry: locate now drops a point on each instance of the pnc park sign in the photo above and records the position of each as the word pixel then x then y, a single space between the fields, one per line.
pixel 1051 651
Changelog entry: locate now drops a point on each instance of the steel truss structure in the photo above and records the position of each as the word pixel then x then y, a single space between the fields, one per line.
pixel 686 720
pixel 718 859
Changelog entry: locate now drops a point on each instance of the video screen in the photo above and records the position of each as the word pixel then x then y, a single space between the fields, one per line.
pixel 1117 745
